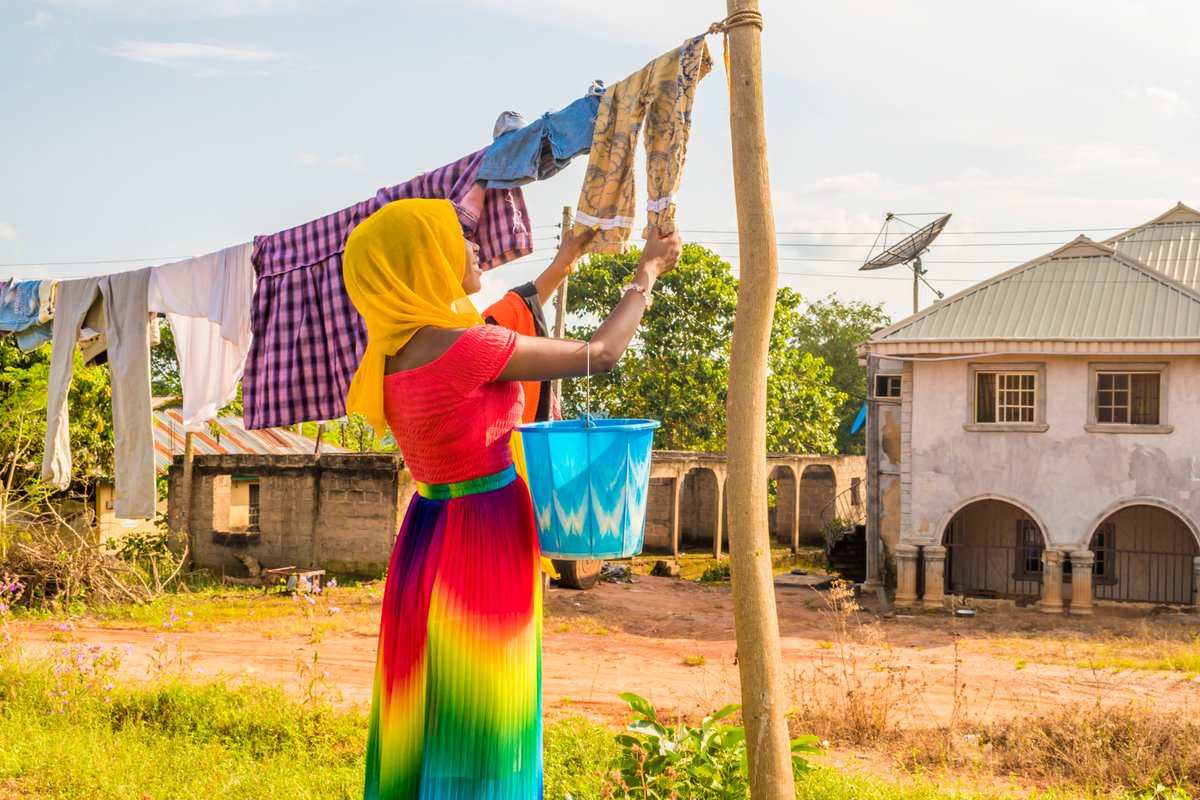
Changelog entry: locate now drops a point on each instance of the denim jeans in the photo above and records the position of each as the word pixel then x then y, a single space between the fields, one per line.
pixel 542 148
pixel 20 313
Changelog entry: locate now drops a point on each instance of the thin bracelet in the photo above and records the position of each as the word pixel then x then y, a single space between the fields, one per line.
pixel 642 290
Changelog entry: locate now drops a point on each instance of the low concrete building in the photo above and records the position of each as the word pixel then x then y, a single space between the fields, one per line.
pixel 341 511
pixel 337 511
pixel 223 436
pixel 1035 436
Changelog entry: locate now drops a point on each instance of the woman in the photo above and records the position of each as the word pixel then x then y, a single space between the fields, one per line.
pixel 456 711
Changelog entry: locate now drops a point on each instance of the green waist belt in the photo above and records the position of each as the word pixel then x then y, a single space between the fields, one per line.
pixel 447 491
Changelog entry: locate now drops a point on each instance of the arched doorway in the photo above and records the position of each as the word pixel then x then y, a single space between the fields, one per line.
pixel 1144 554
pixel 781 510
pixel 818 488
pixel 698 507
pixel 994 549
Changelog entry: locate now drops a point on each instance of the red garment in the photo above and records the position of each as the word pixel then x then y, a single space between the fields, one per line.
pixel 451 418
pixel 512 312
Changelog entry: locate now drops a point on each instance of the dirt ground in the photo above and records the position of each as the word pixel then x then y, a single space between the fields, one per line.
pixel 672 641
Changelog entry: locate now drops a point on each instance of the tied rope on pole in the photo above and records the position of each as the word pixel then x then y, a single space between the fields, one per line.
pixel 748 16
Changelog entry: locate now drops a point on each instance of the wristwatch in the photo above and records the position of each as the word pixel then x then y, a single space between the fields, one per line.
pixel 642 290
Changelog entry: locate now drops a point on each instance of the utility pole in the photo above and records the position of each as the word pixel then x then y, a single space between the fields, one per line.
pixel 560 301
pixel 757 624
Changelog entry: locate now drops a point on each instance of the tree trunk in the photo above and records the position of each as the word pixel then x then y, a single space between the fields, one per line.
pixel 759 660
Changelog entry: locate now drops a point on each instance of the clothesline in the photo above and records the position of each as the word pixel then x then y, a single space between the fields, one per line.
pixel 274 313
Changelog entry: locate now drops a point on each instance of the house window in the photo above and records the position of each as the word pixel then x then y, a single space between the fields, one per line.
pixel 1005 397
pixel 1104 545
pixel 887 385
pixel 1030 545
pixel 252 507
pixel 1127 398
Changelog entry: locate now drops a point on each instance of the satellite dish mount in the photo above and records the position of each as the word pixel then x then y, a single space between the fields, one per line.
pixel 907 251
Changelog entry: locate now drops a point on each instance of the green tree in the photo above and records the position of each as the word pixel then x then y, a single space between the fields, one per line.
pixel 24 384
pixel 830 328
pixel 677 368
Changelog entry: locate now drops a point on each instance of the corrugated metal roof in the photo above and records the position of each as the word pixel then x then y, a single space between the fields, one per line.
pixel 226 435
pixel 1169 243
pixel 1082 291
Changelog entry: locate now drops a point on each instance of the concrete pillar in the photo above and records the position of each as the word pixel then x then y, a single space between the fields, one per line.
pixel 677 495
pixel 935 576
pixel 1196 580
pixel 1052 583
pixel 794 523
pixel 906 574
pixel 719 520
pixel 1081 581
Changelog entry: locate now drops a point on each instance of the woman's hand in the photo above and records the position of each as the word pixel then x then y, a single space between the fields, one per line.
pixel 573 244
pixel 661 253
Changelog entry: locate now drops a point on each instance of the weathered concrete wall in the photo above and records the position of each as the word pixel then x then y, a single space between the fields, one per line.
pixel 659 509
pixel 337 511
pixel 112 528
pixel 1067 478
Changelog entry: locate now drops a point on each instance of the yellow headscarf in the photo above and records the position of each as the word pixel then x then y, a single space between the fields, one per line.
pixel 403 268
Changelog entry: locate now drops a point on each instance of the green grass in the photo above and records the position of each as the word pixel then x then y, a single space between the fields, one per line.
pixel 1186 659
pixel 230 608
pixel 171 739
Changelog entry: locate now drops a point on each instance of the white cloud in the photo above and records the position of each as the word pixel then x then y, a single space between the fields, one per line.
pixel 183 8
pixel 845 184
pixel 38 20
pixel 352 161
pixel 1161 103
pixel 202 60
pixel 8 233
pixel 1084 157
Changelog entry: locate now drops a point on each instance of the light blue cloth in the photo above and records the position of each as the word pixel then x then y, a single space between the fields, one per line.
pixel 859 420
pixel 20 309
pixel 542 148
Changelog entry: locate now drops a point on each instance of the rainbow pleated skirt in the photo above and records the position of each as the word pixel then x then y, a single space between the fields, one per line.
pixel 456 712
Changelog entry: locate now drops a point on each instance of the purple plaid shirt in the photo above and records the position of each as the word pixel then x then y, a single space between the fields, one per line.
pixel 308 337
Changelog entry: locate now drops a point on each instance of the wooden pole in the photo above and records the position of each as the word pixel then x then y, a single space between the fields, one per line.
pixel 186 490
pixel 560 301
pixel 757 624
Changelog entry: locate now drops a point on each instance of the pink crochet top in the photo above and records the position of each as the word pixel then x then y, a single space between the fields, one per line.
pixel 451 418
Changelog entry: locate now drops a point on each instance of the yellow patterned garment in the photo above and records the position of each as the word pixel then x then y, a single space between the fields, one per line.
pixel 661 94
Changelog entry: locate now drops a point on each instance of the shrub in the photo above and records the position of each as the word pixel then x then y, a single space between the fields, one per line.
pixel 707 762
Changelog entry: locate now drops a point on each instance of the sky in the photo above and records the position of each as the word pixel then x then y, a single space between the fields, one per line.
pixel 137 133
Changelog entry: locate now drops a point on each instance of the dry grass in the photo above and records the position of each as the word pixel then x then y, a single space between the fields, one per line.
pixel 1093 748
pixel 861 696
pixel 855 695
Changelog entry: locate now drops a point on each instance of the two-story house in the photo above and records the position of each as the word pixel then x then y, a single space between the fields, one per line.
pixel 1037 436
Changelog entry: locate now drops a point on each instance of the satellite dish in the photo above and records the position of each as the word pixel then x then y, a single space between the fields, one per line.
pixel 907 251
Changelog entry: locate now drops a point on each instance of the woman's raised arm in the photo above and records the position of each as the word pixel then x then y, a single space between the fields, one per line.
pixel 539 358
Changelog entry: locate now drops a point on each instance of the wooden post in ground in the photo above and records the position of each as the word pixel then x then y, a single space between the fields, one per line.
pixel 186 490
pixel 560 300
pixel 757 625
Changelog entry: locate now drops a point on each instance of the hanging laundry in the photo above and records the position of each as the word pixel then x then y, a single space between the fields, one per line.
pixel 207 303
pixel 93 339
pixel 122 299
pixel 26 308
pixel 661 95
pixel 520 310
pixel 542 149
pixel 307 337
pixel 507 121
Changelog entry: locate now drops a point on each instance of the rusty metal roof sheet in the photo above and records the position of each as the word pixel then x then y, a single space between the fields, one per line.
pixel 1169 243
pixel 226 435
pixel 1082 291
